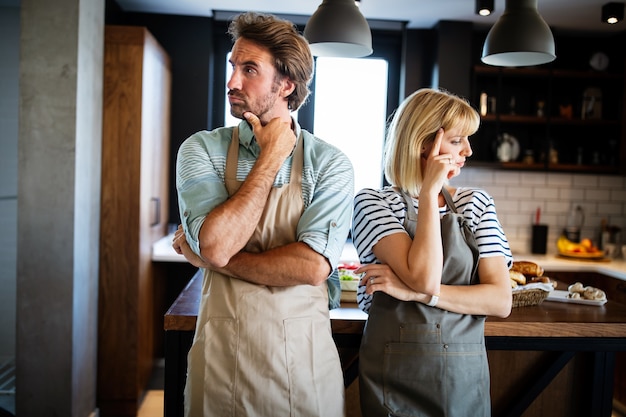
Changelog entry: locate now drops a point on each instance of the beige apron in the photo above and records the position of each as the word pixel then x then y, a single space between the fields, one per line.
pixel 261 350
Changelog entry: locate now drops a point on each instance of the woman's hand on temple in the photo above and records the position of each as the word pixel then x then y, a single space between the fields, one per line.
pixel 438 167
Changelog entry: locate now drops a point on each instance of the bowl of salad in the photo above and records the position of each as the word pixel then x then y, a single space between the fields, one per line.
pixel 348 279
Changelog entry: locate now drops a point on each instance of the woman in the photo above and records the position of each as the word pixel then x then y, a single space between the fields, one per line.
pixel 423 351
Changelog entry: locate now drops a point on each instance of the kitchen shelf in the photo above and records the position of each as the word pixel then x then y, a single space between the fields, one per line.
pixel 541 108
pixel 513 118
pixel 584 168
pixel 523 166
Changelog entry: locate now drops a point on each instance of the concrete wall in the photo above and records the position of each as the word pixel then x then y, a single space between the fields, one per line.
pixel 9 98
pixel 58 206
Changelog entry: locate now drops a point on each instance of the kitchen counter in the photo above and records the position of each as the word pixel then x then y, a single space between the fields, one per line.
pixel 162 251
pixel 553 359
pixel 546 354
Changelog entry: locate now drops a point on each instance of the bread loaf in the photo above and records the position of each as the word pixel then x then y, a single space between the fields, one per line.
pixel 543 279
pixel 517 277
pixel 529 269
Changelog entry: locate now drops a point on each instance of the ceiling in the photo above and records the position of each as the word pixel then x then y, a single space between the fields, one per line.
pixel 561 15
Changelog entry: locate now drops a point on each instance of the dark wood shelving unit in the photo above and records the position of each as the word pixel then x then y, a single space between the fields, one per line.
pixel 581 143
pixel 513 118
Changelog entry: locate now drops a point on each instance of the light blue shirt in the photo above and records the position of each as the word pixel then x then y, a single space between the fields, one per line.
pixel 327 185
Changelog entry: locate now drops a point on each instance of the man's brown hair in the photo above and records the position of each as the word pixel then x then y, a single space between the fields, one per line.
pixel 290 50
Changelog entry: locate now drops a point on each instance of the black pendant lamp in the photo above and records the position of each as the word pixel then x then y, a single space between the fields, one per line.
pixel 337 28
pixel 613 13
pixel 484 7
pixel 520 37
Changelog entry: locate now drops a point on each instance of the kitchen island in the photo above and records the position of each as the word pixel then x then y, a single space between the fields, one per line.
pixel 553 359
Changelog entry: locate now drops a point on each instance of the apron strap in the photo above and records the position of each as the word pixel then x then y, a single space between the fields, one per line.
pixel 448 198
pixel 232 162
pixel 410 220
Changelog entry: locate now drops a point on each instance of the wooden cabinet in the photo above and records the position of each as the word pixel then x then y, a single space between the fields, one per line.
pixel 560 120
pixel 134 212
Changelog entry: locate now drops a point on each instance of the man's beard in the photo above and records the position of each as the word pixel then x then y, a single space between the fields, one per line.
pixel 259 107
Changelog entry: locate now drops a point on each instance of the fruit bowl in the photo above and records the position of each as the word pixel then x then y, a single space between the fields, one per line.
pixel 583 250
pixel 583 255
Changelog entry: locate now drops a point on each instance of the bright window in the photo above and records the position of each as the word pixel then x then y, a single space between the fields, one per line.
pixel 350 112
pixel 228 119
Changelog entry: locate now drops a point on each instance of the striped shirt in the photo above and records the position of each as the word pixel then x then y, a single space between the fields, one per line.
pixel 380 213
pixel 327 185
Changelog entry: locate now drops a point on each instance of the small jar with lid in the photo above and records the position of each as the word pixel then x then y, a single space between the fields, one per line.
pixel 529 157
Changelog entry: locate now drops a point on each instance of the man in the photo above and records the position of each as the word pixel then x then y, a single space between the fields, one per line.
pixel 265 210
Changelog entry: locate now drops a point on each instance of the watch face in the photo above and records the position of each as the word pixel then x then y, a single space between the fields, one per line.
pixel 599 61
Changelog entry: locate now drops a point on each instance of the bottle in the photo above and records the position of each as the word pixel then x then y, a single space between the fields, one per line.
pixel 575 222
pixel 483 104
pixel 540 105
pixel 553 155
pixel 579 156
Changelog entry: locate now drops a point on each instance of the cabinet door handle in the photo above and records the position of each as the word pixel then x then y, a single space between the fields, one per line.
pixel 157 211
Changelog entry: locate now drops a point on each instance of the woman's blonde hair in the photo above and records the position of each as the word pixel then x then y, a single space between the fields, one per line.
pixel 290 50
pixel 414 126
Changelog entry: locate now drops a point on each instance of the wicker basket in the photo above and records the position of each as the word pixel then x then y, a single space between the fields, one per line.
pixel 530 297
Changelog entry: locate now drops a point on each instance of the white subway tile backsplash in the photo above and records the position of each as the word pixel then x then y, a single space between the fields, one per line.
pixel 597 194
pixel 530 207
pixel 545 193
pixel 612 181
pixel 498 192
pixel 561 180
pixel 571 194
pixel 533 178
pixel 508 178
pixel 479 177
pixel 552 220
pixel 506 206
pixel 518 194
pixel 559 207
pixel 521 220
pixel 611 209
pixel 519 246
pixel 585 180
pixel 618 194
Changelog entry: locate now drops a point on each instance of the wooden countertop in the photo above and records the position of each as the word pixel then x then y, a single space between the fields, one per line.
pixel 183 312
pixel 549 319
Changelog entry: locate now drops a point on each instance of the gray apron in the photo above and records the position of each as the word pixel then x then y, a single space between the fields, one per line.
pixel 260 350
pixel 417 360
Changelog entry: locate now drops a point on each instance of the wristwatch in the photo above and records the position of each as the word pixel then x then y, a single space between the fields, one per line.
pixel 434 299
